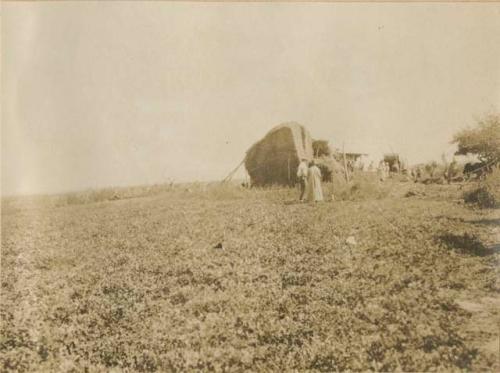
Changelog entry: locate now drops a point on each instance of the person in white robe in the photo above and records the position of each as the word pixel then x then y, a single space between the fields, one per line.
pixel 314 190
pixel 382 172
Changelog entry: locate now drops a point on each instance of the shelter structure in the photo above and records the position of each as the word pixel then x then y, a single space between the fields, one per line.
pixel 355 157
pixel 350 156
pixel 393 160
pixel 275 158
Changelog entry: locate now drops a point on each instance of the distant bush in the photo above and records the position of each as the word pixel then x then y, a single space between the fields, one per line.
pixel 89 196
pixel 487 192
pixel 361 187
pixel 109 194
pixel 430 168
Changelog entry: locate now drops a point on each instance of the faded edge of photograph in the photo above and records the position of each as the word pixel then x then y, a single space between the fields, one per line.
pixel 250 186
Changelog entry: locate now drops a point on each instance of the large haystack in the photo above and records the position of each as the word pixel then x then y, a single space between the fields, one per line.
pixel 275 158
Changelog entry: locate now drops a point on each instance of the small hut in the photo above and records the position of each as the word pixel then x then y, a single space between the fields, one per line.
pixel 275 158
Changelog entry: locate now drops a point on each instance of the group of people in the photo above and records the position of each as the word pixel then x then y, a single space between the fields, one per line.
pixel 383 170
pixel 309 176
pixel 416 173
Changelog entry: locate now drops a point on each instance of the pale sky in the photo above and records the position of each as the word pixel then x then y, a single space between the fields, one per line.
pixel 112 94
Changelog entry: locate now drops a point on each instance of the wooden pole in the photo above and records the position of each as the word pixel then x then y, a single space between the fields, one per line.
pixel 345 165
pixel 288 163
pixel 228 177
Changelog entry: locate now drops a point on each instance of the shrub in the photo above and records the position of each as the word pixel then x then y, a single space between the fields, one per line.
pixel 431 167
pixel 487 192
pixel 481 196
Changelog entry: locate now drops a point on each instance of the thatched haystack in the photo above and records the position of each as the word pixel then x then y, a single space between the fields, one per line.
pixel 330 168
pixel 275 158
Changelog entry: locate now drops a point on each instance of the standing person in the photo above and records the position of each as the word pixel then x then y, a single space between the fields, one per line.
pixel 412 173
pixel 381 171
pixel 395 167
pixel 451 171
pixel 418 174
pixel 302 176
pixel 314 191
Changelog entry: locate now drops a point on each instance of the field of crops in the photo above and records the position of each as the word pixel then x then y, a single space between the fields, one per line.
pixel 234 279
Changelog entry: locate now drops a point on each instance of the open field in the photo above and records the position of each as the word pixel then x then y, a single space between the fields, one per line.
pixel 234 279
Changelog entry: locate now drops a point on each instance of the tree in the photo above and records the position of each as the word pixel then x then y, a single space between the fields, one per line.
pixel 482 140
pixel 320 148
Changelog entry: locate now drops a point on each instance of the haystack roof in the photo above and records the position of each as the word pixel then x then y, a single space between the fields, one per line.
pixel 300 136
pixel 274 158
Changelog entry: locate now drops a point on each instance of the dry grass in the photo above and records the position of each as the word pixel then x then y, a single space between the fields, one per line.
pixel 219 278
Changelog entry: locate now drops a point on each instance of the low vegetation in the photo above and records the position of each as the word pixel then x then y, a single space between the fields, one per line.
pixel 389 276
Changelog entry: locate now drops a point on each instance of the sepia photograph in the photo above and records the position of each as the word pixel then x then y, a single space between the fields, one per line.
pixel 267 186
